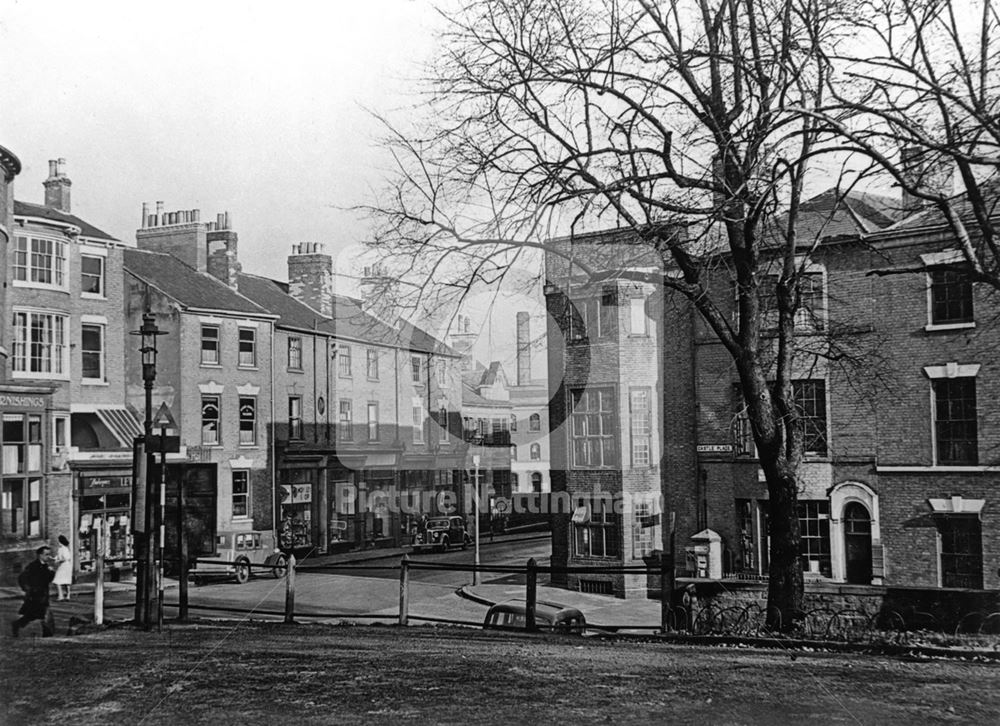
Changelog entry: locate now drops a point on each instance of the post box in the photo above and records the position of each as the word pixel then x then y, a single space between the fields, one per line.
pixel 704 555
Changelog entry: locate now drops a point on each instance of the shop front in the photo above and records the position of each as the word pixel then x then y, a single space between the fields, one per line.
pixel 104 498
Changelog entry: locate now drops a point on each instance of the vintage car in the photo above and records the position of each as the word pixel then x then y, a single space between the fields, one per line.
pixel 440 533
pixel 250 553
pixel 549 616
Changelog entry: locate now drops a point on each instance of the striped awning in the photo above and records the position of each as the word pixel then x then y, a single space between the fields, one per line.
pixel 121 422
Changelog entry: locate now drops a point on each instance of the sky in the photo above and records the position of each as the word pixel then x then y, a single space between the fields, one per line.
pixel 256 108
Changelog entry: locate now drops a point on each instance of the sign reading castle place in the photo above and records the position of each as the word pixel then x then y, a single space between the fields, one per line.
pixel 14 401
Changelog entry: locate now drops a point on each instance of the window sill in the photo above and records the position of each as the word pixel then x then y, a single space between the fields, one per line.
pixel 203 364
pixel 294 370
pixel 939 327
pixel 249 446
pixel 40 286
pixel 248 368
pixel 40 376
pixel 92 296
pixel 93 382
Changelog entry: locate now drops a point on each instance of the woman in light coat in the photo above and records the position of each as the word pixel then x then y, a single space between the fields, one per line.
pixel 64 568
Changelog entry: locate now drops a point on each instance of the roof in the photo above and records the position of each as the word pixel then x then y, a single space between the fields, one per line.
pixel 351 321
pixel 27 209
pixel 183 283
pixel 273 296
pixel 493 374
pixel 833 213
pixel 931 216
pixel 419 339
pixel 471 398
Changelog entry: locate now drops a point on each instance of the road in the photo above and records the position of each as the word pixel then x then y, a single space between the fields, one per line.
pixel 329 595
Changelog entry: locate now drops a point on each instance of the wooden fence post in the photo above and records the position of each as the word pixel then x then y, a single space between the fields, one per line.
pixel 404 590
pixel 531 595
pixel 290 590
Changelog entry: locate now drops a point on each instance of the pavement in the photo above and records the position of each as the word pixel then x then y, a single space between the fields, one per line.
pixel 600 610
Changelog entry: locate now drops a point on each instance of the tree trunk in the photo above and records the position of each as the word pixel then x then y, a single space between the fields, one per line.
pixel 785 584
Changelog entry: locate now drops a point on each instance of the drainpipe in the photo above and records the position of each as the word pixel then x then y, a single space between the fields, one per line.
pixel 274 450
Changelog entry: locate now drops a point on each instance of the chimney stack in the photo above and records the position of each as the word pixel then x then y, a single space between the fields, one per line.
pixel 310 276
pixel 223 258
pixel 57 186
pixel 523 349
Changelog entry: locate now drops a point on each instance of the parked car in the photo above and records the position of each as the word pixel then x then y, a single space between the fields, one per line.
pixel 440 533
pixel 511 615
pixel 243 550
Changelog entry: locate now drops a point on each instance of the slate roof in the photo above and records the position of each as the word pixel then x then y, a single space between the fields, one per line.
pixel 190 288
pixel 932 216
pixel 471 398
pixel 273 296
pixel 493 374
pixel 419 339
pixel 832 214
pixel 27 209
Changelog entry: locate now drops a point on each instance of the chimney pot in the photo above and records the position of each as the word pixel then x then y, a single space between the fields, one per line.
pixel 145 214
pixel 197 214
pixel 53 168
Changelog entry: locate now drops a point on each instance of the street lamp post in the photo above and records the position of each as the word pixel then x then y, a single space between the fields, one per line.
pixel 475 484
pixel 144 591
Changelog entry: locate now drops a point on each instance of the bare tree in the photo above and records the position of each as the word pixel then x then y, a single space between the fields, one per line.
pixel 918 94
pixel 691 123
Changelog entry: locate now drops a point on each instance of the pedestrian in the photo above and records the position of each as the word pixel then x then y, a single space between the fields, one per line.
pixel 34 580
pixel 64 569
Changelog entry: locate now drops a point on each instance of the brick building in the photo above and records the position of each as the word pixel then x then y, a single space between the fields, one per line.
pixel 67 433
pixel 896 486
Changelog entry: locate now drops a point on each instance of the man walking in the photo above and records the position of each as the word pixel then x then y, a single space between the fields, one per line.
pixel 35 580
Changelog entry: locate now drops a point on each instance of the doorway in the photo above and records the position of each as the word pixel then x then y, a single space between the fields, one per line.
pixel 858 544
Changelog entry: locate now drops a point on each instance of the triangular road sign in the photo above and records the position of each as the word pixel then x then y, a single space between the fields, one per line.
pixel 164 419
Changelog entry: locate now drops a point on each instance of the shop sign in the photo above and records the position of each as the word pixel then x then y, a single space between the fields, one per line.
pixel 11 401
pixel 106 482
pixel 296 493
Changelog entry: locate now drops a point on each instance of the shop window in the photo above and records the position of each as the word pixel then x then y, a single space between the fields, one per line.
pixel 346 422
pixel 814 536
pixel 593 429
pixel 92 351
pixel 248 420
pixel 210 345
pixel 296 495
pixel 92 275
pixel 40 348
pixel 247 348
pixel 241 493
pixel 210 421
pixel 961 548
pixel 294 417
pixel 534 422
pixel 344 361
pixel 596 529
pixel 371 356
pixel 950 298
pixel 20 496
pixel 955 424
pixel 294 353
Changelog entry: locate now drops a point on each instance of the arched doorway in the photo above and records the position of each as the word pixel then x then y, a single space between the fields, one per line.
pixel 858 544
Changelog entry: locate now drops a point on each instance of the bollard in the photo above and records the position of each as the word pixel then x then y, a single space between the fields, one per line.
pixel 531 595
pixel 99 585
pixel 290 590
pixel 404 590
